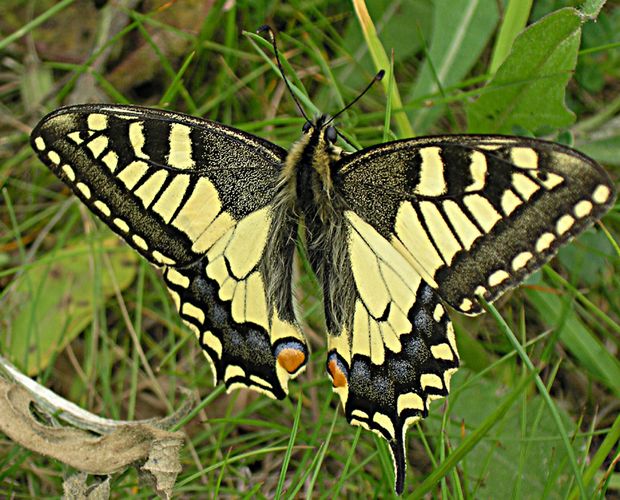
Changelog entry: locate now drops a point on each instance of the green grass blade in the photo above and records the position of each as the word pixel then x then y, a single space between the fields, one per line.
pixel 513 23
pixel 461 31
pixel 591 353
pixel 381 60
pixel 542 390
pixel 289 449
pixel 471 440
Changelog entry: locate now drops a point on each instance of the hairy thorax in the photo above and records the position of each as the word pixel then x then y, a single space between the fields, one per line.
pixel 308 206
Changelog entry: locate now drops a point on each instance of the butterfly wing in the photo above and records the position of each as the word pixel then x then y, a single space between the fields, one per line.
pixel 397 352
pixel 432 220
pixel 189 195
pixel 474 215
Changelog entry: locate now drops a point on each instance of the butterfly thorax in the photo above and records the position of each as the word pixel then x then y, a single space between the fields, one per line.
pixel 307 171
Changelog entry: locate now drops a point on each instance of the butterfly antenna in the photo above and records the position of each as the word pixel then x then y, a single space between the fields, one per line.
pixel 272 39
pixel 377 78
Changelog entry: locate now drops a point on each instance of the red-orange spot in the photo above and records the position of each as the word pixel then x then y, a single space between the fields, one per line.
pixel 339 379
pixel 291 359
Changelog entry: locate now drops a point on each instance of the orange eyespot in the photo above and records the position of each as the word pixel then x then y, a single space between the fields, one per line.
pixel 337 370
pixel 291 356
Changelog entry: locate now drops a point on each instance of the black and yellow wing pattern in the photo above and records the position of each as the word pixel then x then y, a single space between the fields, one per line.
pixel 395 233
pixel 434 221
pixel 195 198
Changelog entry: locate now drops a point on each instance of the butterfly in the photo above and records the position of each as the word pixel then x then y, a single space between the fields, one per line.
pixel 394 232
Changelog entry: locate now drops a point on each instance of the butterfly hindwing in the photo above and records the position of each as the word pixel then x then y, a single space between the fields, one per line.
pixel 474 215
pixel 397 352
pixel 189 195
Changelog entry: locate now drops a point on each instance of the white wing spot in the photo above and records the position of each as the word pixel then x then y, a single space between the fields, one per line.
pixel 140 242
pixel 39 143
pixel 524 185
pixel 176 298
pixel 478 171
pixel 447 377
pixel 193 312
pixel 563 224
pixel 440 231
pixel 68 172
pixel 431 380
pixel 121 224
pixel 136 137
pixel 213 342
pixel 510 201
pixel 415 239
pixel 54 157
pixel 544 242
pixel 103 208
pixel 466 305
pixel 582 209
pixel 161 258
pixel 177 278
pixel 451 337
pixel 438 313
pixel 180 147
pixel 409 400
pixel 482 210
pixel 97 145
pixel 110 160
pixel 97 121
pixel 523 157
pixel 464 227
pixel 169 201
pixel 552 180
pixel 442 351
pixel 480 290
pixel 233 371
pixel 359 414
pixel 75 137
pixel 432 182
pixel 132 173
pixel 601 194
pixel 150 188
pixel 498 277
pixel 521 260
pixel 385 422
pixel 84 189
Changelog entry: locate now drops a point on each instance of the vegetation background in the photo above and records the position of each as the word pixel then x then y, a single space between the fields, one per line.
pixel 92 321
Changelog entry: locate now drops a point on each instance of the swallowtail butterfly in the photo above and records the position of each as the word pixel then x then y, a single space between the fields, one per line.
pixel 395 233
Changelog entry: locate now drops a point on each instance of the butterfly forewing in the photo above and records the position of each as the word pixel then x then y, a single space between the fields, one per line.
pixel 474 215
pixel 190 195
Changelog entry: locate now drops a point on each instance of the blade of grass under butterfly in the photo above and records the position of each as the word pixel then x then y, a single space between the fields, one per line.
pixel 542 390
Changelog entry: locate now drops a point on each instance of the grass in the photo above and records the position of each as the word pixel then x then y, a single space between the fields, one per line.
pixel 532 413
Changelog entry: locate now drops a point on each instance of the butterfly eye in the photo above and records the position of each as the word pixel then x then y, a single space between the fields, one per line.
pixel 331 134
pixel 306 127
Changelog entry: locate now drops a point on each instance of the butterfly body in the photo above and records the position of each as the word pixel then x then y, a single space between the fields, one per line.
pixel 393 232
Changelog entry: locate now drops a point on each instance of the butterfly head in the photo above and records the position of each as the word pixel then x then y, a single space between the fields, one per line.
pixel 321 130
